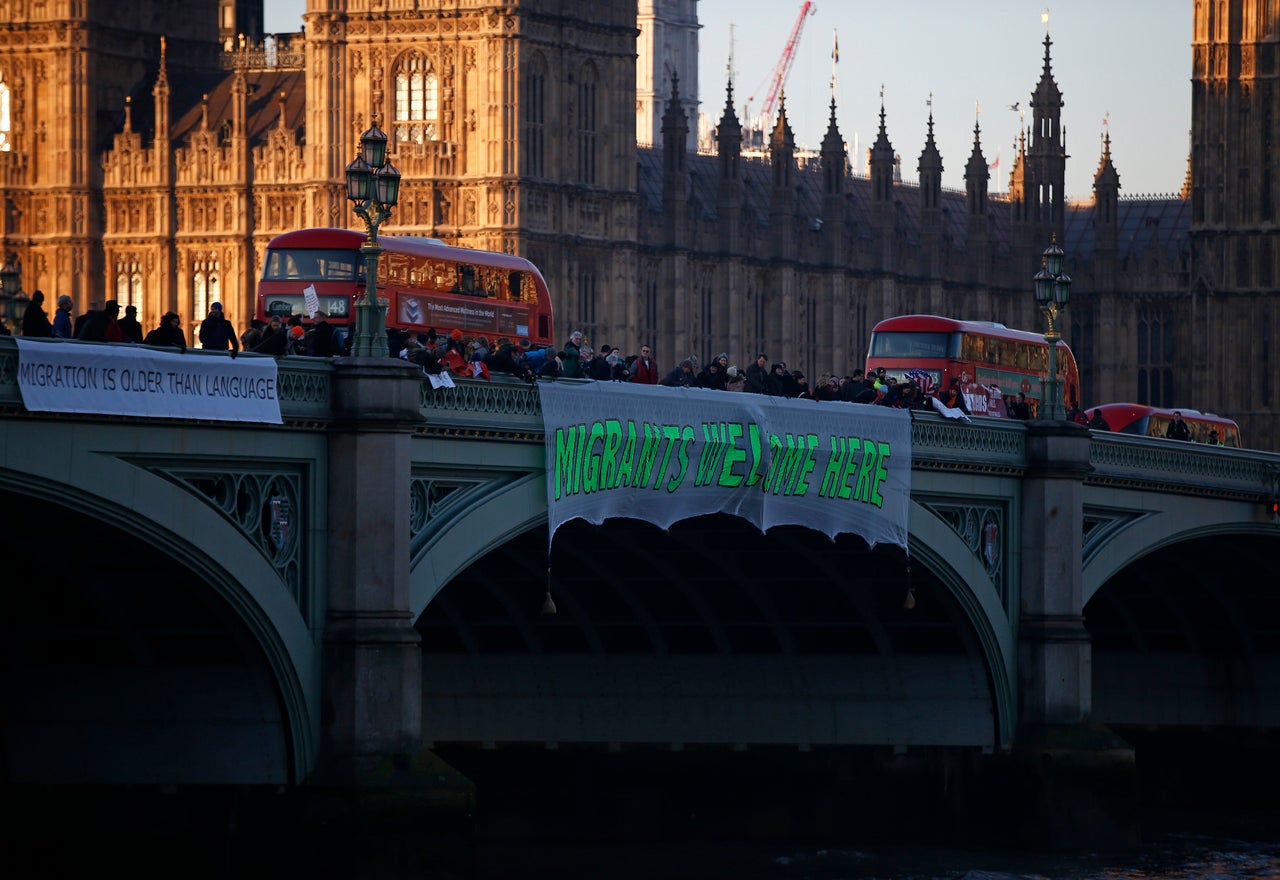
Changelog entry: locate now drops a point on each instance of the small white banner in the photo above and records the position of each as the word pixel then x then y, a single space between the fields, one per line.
pixel 312 300
pixel 122 380
pixel 667 454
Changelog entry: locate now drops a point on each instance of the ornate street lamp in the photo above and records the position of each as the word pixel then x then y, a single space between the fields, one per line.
pixel 1053 290
pixel 10 291
pixel 373 185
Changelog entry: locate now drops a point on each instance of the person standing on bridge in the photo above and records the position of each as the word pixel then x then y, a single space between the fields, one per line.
pixel 168 333
pixel 275 338
pixel 89 317
pixel 62 318
pixel 757 379
pixel 34 320
pixel 1177 429
pixel 323 341
pixel 216 332
pixel 644 370
pixel 129 325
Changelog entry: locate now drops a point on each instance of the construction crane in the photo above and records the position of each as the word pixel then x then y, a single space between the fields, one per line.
pixel 778 76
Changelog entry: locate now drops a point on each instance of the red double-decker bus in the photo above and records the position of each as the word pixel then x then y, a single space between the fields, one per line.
pixel 1153 421
pixel 991 361
pixel 427 283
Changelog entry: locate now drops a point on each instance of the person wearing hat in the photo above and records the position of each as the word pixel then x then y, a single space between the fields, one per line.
pixel 216 332
pixel 681 376
pixel 62 318
pixel 713 377
pixel 952 396
pixel 775 384
pixel 734 379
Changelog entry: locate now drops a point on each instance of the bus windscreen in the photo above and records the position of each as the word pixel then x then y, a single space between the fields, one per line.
pixel 309 264
pixel 901 344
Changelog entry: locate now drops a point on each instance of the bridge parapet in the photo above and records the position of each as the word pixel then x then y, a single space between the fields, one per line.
pixel 1159 465
pixel 986 445
pixel 503 407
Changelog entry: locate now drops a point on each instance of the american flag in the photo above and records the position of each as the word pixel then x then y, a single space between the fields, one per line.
pixel 922 380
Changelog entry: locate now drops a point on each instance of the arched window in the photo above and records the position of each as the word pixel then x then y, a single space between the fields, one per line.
pixel 205 286
pixel 128 283
pixel 587 125
pixel 6 119
pixel 200 297
pixel 417 100
pixel 533 99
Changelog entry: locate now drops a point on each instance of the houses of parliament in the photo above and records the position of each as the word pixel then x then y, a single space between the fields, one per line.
pixel 150 150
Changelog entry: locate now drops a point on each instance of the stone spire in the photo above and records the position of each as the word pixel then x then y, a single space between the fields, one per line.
pixel 729 149
pixel 1106 199
pixel 782 148
pixel 833 156
pixel 729 139
pixel 977 174
pixel 675 169
pixel 675 131
pixel 1047 155
pixel 782 202
pixel 930 170
pixel 882 163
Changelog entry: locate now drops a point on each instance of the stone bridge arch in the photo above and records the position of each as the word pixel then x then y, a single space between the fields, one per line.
pixel 1129 530
pixel 935 543
pixel 141 493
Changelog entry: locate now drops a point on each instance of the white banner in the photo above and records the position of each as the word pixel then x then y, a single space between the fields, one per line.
pixel 123 380
pixel 666 454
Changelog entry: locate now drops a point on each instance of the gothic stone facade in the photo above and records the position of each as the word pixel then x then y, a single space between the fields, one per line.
pixel 154 171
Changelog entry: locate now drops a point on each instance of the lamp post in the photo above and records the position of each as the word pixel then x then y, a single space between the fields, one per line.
pixel 1053 290
pixel 373 185
pixel 10 290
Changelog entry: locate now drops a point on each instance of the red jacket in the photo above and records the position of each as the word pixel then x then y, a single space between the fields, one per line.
pixel 645 374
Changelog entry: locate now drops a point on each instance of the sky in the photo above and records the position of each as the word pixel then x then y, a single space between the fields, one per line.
pixel 1127 62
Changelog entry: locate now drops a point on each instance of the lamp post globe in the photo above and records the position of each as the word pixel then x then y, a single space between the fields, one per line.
pixel 10 290
pixel 373 186
pixel 1053 291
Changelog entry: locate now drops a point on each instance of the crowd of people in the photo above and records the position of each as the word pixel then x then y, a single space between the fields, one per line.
pixel 103 322
pixel 476 357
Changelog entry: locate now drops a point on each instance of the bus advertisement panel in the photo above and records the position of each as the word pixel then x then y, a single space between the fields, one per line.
pixel 426 284
pixel 991 361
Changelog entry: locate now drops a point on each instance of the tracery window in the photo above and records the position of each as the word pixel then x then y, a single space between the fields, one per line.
pixel 533 134
pixel 1155 359
pixel 6 119
pixel 128 283
pixel 205 286
pixel 417 100
pixel 587 126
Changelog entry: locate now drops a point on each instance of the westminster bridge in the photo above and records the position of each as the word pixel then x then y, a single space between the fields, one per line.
pixel 330 598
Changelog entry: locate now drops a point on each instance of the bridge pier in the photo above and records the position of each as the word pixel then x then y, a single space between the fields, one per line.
pixel 372 714
pixel 1067 783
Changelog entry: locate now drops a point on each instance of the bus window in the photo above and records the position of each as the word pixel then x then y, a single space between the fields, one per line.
pixel 310 265
pixel 917 345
